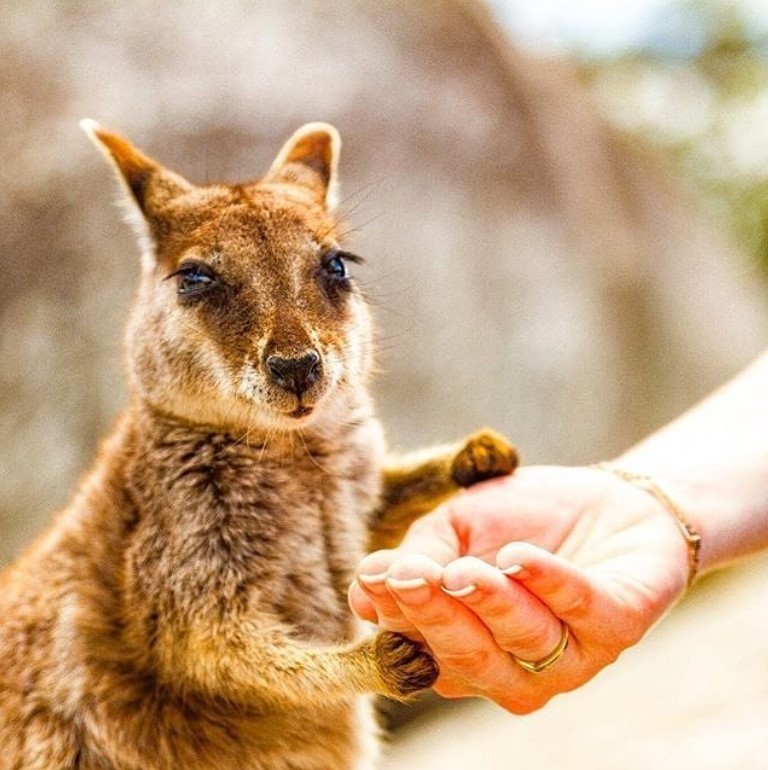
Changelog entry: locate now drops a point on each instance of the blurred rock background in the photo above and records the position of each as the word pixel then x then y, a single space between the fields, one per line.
pixel 567 247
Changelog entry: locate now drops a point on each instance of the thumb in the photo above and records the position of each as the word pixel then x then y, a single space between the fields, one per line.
pixel 433 535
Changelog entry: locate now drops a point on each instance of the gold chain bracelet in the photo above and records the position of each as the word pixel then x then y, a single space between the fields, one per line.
pixel 692 537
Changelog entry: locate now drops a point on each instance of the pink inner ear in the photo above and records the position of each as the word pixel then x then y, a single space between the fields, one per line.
pixel 314 151
pixel 308 161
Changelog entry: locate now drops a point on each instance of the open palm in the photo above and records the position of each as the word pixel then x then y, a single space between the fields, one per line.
pixel 503 569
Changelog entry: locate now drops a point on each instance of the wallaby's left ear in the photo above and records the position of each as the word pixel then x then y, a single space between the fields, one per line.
pixel 310 160
pixel 150 184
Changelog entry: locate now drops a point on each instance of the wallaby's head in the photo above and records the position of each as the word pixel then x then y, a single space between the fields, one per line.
pixel 246 315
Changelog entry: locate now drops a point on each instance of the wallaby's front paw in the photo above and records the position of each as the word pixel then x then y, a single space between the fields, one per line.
pixel 404 666
pixel 485 455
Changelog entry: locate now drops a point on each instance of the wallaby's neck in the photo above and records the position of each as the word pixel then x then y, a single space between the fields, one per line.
pixel 153 428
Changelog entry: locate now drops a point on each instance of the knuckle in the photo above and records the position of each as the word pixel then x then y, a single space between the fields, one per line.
pixel 522 707
pixel 579 604
pixel 539 640
pixel 470 662
pixel 395 623
pixel 451 689
pixel 527 707
pixel 437 617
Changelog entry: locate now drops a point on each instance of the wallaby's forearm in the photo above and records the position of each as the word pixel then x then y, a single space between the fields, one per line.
pixel 418 482
pixel 249 666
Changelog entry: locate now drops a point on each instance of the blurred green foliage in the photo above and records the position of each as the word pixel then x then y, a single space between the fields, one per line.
pixel 696 83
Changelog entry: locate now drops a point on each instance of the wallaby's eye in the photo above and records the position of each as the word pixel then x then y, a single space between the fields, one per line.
pixel 193 279
pixel 334 266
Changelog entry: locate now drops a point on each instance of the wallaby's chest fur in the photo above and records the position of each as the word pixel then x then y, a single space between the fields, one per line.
pixel 187 610
pixel 276 526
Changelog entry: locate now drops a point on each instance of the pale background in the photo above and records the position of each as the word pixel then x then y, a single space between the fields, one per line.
pixel 534 265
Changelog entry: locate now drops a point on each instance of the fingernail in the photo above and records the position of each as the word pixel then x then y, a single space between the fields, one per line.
pixel 460 593
pixel 400 584
pixel 372 580
pixel 513 569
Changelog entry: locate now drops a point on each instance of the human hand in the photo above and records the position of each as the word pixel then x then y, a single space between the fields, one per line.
pixel 520 557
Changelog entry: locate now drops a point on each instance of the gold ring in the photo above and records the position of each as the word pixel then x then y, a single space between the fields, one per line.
pixel 536 667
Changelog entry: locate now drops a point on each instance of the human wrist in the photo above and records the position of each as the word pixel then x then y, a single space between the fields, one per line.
pixel 726 501
pixel 713 461
pixel 709 493
pixel 650 486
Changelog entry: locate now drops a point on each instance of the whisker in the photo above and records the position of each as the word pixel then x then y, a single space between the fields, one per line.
pixel 310 456
pixel 364 191
pixel 264 446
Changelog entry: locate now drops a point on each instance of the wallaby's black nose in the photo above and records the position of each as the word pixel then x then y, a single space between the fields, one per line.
pixel 295 374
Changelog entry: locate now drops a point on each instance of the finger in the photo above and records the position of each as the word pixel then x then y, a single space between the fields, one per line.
pixel 371 581
pixel 567 590
pixel 361 604
pixel 432 535
pixel 519 622
pixel 469 657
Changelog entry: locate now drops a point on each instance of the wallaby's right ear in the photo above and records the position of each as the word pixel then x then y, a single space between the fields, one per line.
pixel 310 160
pixel 150 185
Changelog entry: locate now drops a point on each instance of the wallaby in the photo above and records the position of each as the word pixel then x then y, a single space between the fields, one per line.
pixel 187 609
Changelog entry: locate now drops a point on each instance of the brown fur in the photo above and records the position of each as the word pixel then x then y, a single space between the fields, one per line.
pixel 188 608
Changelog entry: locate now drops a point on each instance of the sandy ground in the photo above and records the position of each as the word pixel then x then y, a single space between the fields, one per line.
pixel 693 694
